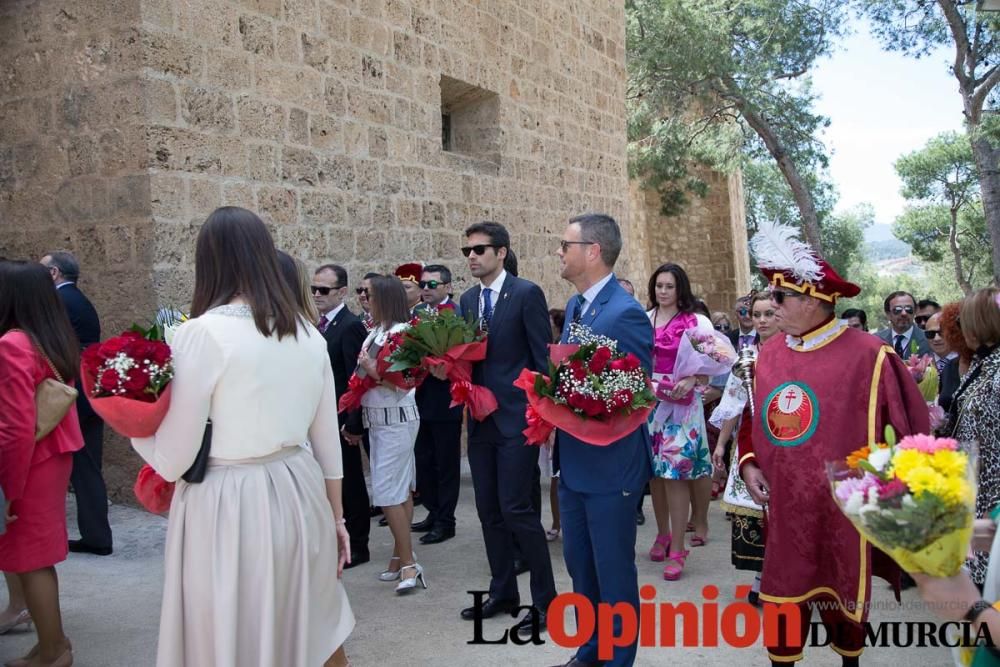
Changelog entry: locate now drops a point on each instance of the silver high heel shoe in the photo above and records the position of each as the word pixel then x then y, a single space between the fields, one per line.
pixel 23 618
pixel 390 575
pixel 410 583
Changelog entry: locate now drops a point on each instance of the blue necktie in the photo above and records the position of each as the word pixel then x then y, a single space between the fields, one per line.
pixel 580 302
pixel 487 306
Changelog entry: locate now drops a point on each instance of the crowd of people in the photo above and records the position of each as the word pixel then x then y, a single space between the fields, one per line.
pixel 272 344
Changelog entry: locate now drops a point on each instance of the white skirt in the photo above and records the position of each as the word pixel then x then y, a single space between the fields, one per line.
pixel 251 568
pixel 394 467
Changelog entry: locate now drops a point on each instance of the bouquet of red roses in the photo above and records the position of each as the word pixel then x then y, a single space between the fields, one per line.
pixel 593 392
pixel 442 338
pixel 360 382
pixel 127 381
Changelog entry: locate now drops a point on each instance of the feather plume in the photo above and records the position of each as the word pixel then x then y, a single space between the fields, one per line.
pixel 775 246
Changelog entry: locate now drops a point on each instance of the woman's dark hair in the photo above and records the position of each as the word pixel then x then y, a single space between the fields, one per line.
pixel 388 300
pixel 558 316
pixel 28 301
pixel 235 255
pixel 685 297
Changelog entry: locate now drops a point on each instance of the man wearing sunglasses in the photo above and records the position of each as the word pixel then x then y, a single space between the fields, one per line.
pixel 819 391
pixel 744 335
pixel 925 308
pixel 438 449
pixel 344 334
pixel 504 471
pixel 905 338
pixel 599 486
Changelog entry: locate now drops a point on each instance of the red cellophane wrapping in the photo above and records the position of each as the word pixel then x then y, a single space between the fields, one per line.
pixel 544 414
pixel 152 491
pixel 127 416
pixel 457 364
pixel 357 386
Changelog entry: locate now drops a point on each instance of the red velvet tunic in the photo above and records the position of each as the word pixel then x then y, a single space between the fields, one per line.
pixel 813 405
pixel 34 476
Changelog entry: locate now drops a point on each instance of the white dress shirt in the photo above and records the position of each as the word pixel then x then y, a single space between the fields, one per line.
pixel 591 294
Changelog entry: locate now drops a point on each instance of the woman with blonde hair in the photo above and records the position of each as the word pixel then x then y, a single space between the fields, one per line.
pixel 297 277
pixel 255 551
pixel 974 416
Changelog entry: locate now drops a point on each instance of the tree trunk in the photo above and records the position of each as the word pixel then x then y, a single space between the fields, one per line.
pixel 803 198
pixel 988 165
pixel 956 253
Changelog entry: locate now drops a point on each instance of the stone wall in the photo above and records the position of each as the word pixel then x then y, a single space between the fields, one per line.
pixel 127 121
pixel 708 239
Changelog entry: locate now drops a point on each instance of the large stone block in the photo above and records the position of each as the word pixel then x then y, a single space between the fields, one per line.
pixel 207 109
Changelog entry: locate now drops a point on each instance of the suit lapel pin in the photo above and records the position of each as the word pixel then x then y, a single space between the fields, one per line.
pixel 593 312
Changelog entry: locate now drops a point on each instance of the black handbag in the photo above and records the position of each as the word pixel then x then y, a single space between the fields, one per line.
pixel 196 473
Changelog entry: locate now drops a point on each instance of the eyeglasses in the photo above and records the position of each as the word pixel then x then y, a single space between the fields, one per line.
pixel 320 289
pixel 361 290
pixel 899 310
pixel 430 284
pixel 779 296
pixel 921 319
pixel 564 245
pixel 931 334
pixel 478 249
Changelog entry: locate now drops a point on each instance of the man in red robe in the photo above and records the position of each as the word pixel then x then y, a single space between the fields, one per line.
pixel 821 391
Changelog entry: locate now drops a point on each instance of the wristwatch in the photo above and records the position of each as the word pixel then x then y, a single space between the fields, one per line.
pixel 977 608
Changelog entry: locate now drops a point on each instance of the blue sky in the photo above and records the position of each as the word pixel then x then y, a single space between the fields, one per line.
pixel 881 105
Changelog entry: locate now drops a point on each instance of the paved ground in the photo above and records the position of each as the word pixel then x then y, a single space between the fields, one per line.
pixel 111 605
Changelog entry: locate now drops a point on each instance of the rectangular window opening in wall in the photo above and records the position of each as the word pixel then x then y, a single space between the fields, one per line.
pixel 470 120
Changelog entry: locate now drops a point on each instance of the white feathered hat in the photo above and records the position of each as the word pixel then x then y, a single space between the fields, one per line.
pixel 789 263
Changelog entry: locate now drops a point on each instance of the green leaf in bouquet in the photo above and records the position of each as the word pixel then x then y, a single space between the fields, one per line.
pixel 890 436
pixel 868 467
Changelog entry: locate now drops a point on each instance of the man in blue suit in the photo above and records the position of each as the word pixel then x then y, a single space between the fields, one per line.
pixel 598 486
pixel 504 470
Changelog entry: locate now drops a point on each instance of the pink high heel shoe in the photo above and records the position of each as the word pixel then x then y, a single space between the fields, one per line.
pixel 659 550
pixel 673 572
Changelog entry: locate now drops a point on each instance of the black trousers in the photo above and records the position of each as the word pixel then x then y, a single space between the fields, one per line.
pixel 88 483
pixel 505 474
pixel 354 493
pixel 439 469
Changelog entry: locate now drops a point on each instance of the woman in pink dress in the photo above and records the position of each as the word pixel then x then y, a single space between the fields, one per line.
pixel 36 343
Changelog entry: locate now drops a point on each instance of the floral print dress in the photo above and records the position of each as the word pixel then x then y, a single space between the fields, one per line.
pixel 680 442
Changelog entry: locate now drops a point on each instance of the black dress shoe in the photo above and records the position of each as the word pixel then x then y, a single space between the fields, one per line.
pixel 383 522
pixel 438 535
pixel 357 558
pixel 525 627
pixel 520 566
pixel 422 526
pixel 640 518
pixel 491 608
pixel 81 547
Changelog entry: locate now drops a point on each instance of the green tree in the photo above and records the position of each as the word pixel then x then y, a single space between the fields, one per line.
pixel 945 217
pixel 710 80
pixel 915 27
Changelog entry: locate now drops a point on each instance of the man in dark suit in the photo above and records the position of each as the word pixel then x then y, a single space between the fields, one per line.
pixel 904 337
pixel 86 478
pixel 598 486
pixel 345 333
pixel 743 335
pixel 439 441
pixel 504 470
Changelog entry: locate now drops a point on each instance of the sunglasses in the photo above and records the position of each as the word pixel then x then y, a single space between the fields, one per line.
pixel 921 319
pixel 430 284
pixel 779 296
pixel 742 312
pixel 931 334
pixel 478 249
pixel 899 310
pixel 564 245
pixel 319 289
pixel 722 327
pixel 361 290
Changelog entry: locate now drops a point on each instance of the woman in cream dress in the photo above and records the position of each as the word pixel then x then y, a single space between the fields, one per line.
pixel 255 551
